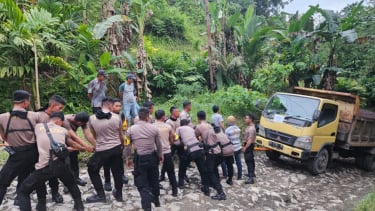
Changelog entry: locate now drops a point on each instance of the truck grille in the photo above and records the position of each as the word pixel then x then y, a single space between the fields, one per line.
pixel 280 137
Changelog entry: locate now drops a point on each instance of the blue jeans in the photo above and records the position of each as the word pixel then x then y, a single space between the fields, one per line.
pixel 224 167
pixel 130 110
pixel 237 158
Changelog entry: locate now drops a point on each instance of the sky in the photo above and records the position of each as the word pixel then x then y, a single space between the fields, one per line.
pixel 303 5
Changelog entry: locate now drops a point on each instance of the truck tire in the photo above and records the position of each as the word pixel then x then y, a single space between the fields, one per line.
pixel 369 162
pixel 319 163
pixel 273 155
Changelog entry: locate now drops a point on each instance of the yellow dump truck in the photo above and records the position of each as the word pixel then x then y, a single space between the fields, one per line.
pixel 311 125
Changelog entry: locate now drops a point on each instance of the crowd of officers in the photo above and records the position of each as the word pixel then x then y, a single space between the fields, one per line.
pixel 111 136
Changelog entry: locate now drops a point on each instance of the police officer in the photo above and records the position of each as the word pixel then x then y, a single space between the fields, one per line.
pixel 248 148
pixel 174 122
pixel 17 131
pixel 227 152
pixel 72 122
pixel 106 128
pixel 213 153
pixel 55 104
pixel 166 137
pixel 48 165
pixel 145 139
pixel 116 108
pixel 194 152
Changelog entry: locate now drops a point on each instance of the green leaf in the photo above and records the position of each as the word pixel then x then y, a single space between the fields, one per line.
pixel 104 59
pixel 101 28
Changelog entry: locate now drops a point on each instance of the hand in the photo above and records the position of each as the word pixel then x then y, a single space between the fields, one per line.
pixel 243 149
pixel 161 159
pixel 71 149
pixel 89 149
pixel 129 163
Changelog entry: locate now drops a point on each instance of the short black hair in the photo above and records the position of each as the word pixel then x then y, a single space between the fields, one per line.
pixel 143 113
pixel 159 114
pixel 59 115
pixel 107 101
pixel 251 116
pixel 186 104
pixel 116 100
pixel 148 104
pixel 201 115
pixel 172 109
pixel 184 122
pixel 57 99
pixel 215 108
pixel 82 117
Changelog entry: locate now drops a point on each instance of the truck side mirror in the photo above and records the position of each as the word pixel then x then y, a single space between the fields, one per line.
pixel 316 115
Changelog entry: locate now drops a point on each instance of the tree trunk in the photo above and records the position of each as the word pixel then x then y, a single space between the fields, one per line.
pixel 37 105
pixel 142 82
pixel 208 26
pixel 224 40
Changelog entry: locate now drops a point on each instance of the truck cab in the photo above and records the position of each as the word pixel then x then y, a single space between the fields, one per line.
pixel 310 125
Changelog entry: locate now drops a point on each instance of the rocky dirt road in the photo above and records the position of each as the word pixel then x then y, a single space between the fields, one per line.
pixel 282 185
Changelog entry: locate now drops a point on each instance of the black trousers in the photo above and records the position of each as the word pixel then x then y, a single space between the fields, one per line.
pixel 20 165
pixel 74 164
pixel 173 152
pixel 229 160
pixel 212 162
pixel 146 178
pixel 58 169
pixel 198 158
pixel 249 160
pixel 169 168
pixel 107 173
pixel 112 158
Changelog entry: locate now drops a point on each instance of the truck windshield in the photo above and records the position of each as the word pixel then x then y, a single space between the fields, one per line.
pixel 282 107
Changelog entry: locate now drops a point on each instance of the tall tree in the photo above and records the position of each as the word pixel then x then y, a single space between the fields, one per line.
pixel 209 47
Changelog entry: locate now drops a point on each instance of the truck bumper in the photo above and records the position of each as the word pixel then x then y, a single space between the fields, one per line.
pixel 284 149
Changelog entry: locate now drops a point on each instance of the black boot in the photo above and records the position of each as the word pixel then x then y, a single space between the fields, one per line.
pixel 57 197
pixel 219 196
pixel 65 190
pixel 229 182
pixel 96 198
pixel 205 190
pixel 117 195
pixel 156 202
pixel 81 182
pixel 78 205
pixel 250 180
pixel 107 186
pixel 41 206
pixel 174 192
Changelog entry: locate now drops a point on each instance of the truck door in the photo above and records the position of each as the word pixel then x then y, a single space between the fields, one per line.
pixel 326 127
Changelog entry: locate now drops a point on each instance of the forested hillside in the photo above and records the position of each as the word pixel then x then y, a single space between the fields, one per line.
pixel 184 48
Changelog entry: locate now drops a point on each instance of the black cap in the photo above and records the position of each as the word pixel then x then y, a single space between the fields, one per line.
pixel 20 96
pixel 102 72
pixel 59 115
pixel 130 76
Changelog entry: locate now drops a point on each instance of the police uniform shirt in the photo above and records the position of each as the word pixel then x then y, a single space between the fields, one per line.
pixel 107 131
pixel 43 117
pixel 165 131
pixel 69 126
pixel 186 115
pixel 173 123
pixel 187 137
pixel 59 135
pixel 224 141
pixel 202 130
pixel 250 133
pixel 212 140
pixel 150 120
pixel 19 138
pixel 145 138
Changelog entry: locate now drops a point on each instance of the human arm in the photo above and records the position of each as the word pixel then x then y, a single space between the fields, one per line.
pixel 159 146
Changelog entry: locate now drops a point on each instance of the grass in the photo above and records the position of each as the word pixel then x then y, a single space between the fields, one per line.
pixel 367 204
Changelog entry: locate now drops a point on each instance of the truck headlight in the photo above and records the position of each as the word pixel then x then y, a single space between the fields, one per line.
pixel 303 142
pixel 261 131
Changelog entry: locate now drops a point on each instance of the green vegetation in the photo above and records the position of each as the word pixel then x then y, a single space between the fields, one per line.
pixel 367 204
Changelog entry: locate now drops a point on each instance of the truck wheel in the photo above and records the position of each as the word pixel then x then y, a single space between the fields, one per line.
pixel 318 164
pixel 273 155
pixel 369 162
